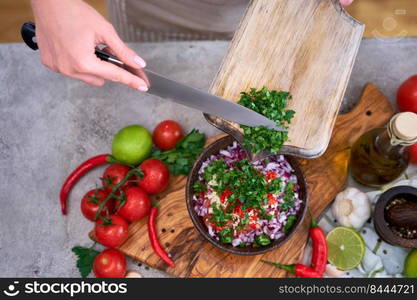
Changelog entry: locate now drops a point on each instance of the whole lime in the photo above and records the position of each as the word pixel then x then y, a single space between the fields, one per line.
pixel 410 264
pixel 132 144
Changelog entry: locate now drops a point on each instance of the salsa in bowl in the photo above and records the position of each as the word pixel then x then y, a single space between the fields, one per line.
pixel 245 207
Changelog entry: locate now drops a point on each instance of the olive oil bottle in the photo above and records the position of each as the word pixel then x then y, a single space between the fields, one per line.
pixel 380 155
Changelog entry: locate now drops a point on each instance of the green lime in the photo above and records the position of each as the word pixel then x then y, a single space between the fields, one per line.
pixel 346 248
pixel 132 144
pixel 410 264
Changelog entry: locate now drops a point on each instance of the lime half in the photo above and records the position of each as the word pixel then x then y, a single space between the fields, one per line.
pixel 346 248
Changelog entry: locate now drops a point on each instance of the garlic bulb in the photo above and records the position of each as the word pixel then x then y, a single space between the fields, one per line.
pixel 351 208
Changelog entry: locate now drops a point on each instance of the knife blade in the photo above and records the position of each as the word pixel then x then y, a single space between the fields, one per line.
pixel 169 89
pixel 177 92
pixel 205 102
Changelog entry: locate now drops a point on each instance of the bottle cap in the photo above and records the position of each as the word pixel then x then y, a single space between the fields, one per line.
pixel 404 126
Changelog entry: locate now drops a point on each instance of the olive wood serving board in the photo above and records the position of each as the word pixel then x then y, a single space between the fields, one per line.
pixel 305 47
pixel 326 176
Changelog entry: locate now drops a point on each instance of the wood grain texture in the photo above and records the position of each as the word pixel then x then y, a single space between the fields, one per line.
pixel 326 176
pixel 305 47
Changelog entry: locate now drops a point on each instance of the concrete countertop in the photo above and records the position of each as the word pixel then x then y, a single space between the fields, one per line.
pixel 49 124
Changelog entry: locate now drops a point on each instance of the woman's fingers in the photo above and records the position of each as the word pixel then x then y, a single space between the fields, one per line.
pixel 124 53
pixel 114 73
pixel 346 2
pixel 89 79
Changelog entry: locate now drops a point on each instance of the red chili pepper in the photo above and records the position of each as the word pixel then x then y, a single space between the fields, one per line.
pixel 297 269
pixel 78 173
pixel 154 238
pixel 319 258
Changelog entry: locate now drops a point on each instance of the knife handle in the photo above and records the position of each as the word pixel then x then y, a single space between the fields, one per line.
pixel 28 32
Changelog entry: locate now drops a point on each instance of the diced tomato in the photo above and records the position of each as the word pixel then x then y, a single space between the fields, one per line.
pixel 238 211
pixel 271 199
pixel 252 226
pixel 226 193
pixel 271 175
pixel 219 228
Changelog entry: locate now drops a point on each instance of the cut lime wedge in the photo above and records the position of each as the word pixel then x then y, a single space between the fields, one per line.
pixel 346 248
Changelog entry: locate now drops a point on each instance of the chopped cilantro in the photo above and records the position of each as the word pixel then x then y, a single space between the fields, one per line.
pixel 271 104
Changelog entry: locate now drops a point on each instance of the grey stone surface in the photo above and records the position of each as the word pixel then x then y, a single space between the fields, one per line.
pixel 49 124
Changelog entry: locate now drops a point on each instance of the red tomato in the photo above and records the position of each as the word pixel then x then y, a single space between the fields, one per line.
pixel 156 176
pixel 167 134
pixel 90 203
pixel 111 263
pixel 111 235
pixel 137 205
pixel 413 153
pixel 407 95
pixel 113 175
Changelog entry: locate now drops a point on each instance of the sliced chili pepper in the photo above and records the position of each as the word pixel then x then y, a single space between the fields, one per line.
pixel 319 257
pixel 154 238
pixel 78 173
pixel 297 269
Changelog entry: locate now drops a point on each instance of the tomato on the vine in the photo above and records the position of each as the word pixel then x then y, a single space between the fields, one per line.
pixel 90 204
pixel 112 176
pixel 167 134
pixel 111 263
pixel 137 204
pixel 111 231
pixel 155 176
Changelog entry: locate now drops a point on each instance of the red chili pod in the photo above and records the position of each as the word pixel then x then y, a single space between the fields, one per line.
pixel 78 173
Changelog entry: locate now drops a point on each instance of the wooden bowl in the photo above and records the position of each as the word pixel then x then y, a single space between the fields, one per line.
pixel 214 148
pixel 382 227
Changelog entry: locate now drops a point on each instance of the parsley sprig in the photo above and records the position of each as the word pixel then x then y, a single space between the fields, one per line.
pixel 271 104
pixel 181 159
pixel 85 259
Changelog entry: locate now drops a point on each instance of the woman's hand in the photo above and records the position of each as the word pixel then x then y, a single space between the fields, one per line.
pixel 346 2
pixel 67 32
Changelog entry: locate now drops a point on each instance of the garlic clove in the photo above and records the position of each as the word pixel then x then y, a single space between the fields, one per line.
pixel 332 271
pixel 133 274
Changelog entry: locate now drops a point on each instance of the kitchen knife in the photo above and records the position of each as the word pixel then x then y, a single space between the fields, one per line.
pixel 178 92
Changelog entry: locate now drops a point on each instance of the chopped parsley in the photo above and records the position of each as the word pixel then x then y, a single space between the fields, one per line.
pixel 271 104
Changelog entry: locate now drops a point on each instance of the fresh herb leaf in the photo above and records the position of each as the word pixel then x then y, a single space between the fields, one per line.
pixel 271 104
pixel 226 236
pixel 288 198
pixel 85 259
pixel 181 158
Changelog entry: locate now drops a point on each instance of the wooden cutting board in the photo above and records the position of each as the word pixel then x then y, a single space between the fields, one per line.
pixel 326 176
pixel 305 47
